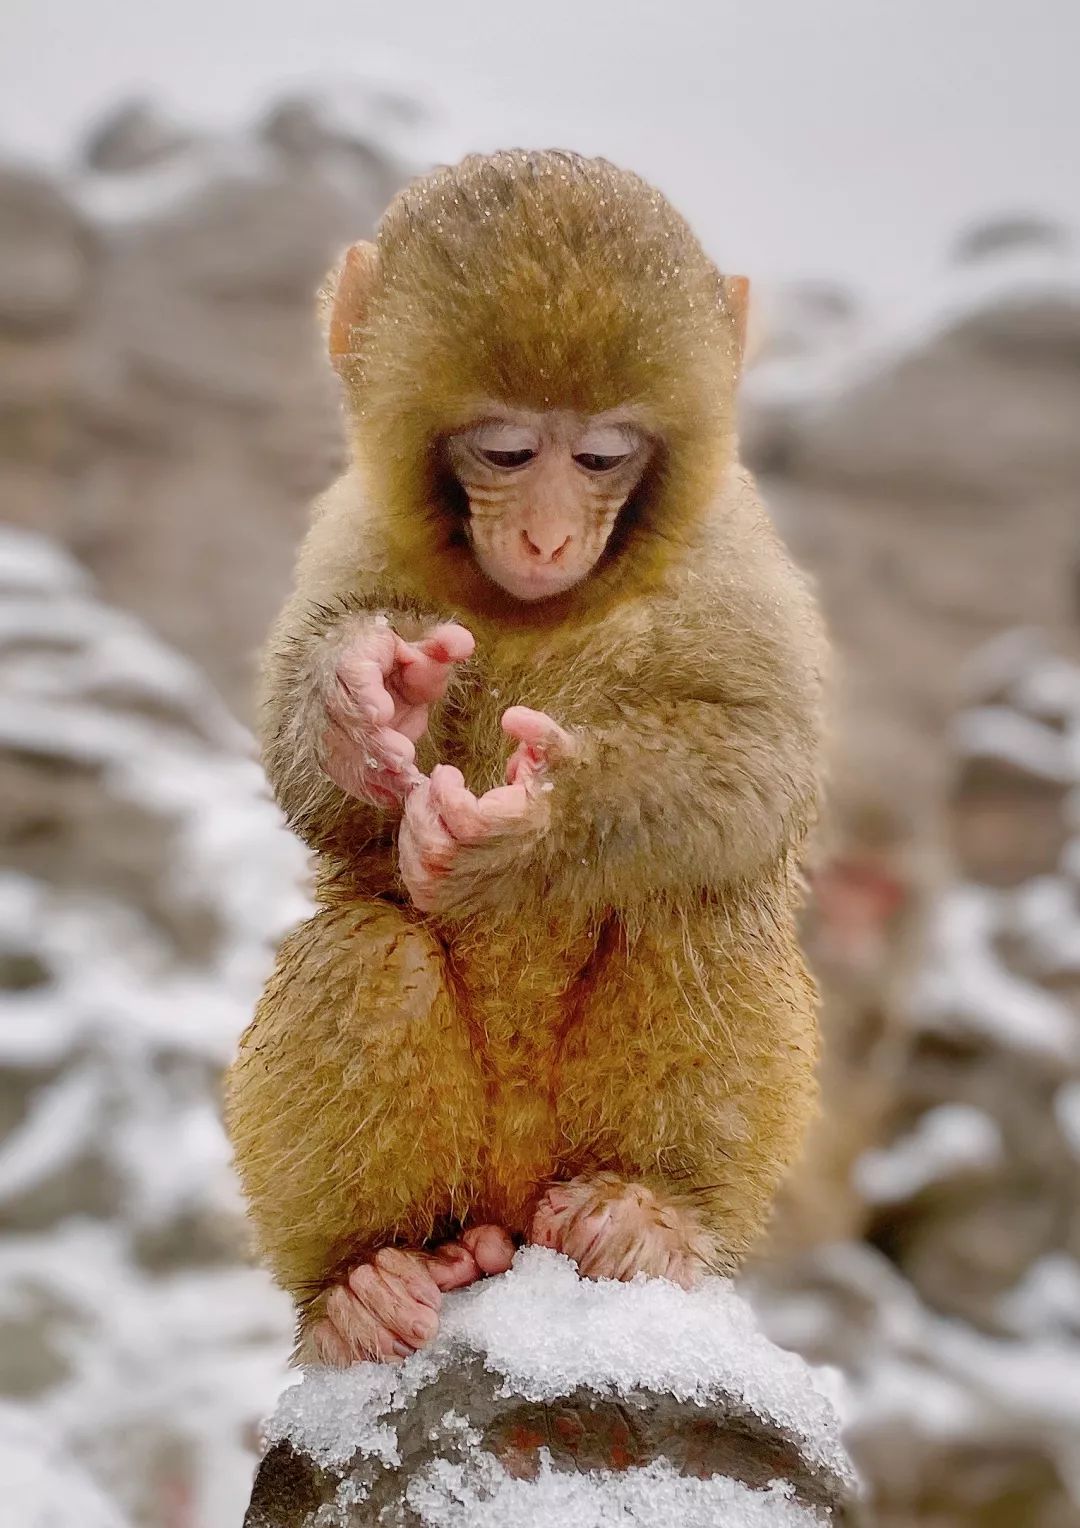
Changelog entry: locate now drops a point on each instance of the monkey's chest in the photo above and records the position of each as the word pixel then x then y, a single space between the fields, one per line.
pixel 521 986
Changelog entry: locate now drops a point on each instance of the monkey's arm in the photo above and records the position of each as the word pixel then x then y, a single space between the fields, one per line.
pixel 695 776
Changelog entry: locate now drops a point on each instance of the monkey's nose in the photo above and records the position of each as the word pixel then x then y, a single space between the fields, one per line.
pixel 537 551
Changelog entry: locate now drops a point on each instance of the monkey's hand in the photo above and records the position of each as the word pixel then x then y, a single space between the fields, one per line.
pixel 377 701
pixel 448 835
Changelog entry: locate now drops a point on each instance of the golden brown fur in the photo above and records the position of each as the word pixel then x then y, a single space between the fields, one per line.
pixel 624 992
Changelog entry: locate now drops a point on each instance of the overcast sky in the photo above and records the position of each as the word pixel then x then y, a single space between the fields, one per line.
pixel 824 137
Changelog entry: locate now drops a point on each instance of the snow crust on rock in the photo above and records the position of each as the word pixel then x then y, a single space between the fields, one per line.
pixel 481 1494
pixel 546 1332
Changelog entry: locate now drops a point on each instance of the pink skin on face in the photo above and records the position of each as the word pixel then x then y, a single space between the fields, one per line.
pixel 389 1306
pixel 378 705
pixel 443 817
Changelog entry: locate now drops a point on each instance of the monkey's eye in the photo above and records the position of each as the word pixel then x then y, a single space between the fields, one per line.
pixel 505 458
pixel 592 461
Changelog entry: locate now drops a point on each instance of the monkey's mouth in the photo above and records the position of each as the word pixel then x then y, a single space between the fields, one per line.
pixel 529 584
pixel 533 584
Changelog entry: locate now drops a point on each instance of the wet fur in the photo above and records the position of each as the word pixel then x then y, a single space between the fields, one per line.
pixel 623 992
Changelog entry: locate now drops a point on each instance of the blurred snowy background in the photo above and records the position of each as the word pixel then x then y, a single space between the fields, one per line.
pixel 903 185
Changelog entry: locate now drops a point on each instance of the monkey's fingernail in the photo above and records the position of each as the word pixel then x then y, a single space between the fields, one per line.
pixel 401 1350
pixel 549 785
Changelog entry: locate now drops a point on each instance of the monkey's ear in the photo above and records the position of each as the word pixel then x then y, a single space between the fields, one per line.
pixel 344 299
pixel 736 294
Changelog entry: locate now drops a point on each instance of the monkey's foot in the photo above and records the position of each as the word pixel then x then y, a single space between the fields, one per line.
pixel 388 1306
pixel 613 1229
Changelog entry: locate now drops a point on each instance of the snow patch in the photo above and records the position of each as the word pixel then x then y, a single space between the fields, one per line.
pixel 547 1332
pixel 482 1494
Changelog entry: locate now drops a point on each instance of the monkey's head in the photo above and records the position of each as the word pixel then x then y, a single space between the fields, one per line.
pixel 540 363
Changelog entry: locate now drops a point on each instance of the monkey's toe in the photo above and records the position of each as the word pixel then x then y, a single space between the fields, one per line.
pixel 614 1229
pixel 389 1305
pixel 491 1246
pixel 385 1309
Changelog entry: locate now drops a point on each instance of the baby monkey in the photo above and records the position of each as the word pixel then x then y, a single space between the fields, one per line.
pixel 546 702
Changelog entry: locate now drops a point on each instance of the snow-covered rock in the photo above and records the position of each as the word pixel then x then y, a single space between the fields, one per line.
pixel 571 1403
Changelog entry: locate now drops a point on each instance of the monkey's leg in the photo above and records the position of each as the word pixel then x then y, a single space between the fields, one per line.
pixel 614 1228
pixel 356 1111
pixel 689 1074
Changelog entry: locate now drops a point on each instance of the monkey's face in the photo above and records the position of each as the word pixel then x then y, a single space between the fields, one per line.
pixel 544 492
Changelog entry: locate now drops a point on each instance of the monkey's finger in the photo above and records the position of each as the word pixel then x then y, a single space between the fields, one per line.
pixel 329 1345
pixel 538 730
pixel 419 680
pixel 423 668
pixel 526 766
pixel 355 769
pixel 589 1239
pixel 384 1311
pixel 377 766
pixel 376 748
pixel 549 1219
pixel 411 721
pixel 491 1246
pixel 447 776
pixel 396 751
pixel 448 643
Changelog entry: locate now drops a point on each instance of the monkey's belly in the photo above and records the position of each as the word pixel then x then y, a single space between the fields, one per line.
pixel 520 991
pixel 682 1058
